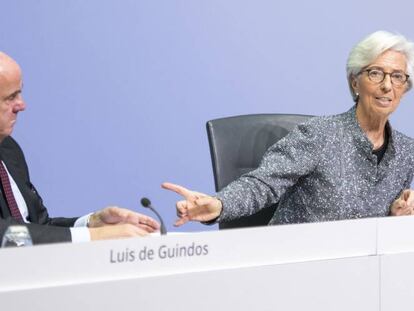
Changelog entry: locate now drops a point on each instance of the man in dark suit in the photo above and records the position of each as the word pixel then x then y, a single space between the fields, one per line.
pixel 19 201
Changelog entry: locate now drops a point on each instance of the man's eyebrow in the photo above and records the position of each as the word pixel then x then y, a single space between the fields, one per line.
pixel 14 94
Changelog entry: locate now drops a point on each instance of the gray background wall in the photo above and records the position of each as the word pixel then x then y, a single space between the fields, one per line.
pixel 118 92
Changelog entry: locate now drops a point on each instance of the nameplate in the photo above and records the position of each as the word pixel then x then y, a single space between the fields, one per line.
pixel 66 263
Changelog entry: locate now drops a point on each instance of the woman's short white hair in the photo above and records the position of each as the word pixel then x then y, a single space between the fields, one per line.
pixel 367 50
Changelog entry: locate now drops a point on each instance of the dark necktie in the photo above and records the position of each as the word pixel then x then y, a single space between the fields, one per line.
pixel 8 193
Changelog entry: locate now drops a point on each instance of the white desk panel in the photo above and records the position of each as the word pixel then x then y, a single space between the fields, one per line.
pixel 397 282
pixel 327 285
pixel 395 234
pixel 65 264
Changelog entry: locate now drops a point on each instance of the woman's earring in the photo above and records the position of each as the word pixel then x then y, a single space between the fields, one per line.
pixel 356 98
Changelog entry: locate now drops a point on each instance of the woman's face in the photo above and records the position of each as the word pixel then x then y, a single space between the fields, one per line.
pixel 381 98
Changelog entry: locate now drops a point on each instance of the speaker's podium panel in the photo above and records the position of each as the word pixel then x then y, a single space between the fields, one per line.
pixel 324 266
pixel 396 252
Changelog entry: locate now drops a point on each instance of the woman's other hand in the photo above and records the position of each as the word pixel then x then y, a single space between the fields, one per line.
pixel 404 205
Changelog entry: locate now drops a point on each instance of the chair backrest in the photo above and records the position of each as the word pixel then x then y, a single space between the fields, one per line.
pixel 237 145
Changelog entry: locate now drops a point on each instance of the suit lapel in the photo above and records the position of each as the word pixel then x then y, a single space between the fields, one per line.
pixel 19 176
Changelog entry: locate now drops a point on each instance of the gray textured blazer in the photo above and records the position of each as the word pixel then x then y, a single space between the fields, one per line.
pixel 323 170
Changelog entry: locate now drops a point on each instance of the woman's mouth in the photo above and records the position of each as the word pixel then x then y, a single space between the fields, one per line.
pixel 384 101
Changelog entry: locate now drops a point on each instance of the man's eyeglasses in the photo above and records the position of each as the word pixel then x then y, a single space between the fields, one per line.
pixel 377 75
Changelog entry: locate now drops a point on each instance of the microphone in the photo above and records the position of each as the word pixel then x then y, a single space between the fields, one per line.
pixel 145 202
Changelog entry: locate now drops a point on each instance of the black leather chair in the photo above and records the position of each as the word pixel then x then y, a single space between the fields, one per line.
pixel 237 145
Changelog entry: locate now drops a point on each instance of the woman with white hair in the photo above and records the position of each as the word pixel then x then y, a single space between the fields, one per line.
pixel 346 166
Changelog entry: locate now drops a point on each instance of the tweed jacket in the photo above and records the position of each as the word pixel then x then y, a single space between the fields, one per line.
pixel 323 170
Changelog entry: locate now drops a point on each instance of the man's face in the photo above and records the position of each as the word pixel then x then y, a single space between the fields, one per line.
pixel 11 100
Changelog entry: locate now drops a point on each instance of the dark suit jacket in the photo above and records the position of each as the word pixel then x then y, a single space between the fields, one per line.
pixel 42 228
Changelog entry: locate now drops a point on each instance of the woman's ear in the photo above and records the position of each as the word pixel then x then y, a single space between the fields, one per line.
pixel 354 84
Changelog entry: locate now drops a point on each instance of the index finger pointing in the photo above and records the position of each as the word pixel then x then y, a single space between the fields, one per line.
pixel 178 189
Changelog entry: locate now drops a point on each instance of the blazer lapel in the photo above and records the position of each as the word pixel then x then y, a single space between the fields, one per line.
pixel 19 176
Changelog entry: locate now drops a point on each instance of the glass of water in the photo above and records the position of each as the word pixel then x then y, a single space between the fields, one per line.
pixel 16 236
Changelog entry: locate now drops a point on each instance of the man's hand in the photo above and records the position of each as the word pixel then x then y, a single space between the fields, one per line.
pixel 404 205
pixel 114 215
pixel 116 232
pixel 196 206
